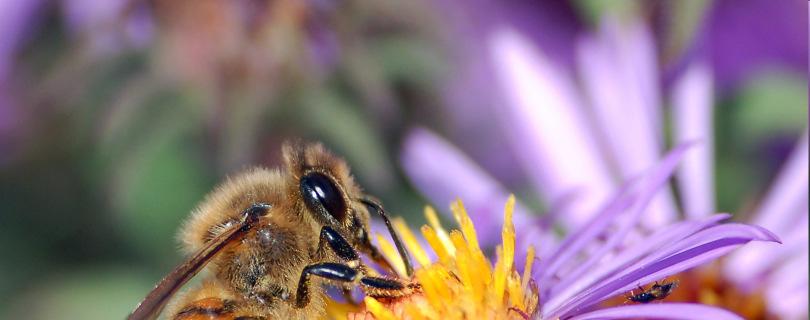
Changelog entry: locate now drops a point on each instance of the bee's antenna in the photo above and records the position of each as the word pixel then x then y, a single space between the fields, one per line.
pixel 402 253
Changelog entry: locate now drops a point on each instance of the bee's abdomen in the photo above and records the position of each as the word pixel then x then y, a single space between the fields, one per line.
pixel 212 309
pixel 208 308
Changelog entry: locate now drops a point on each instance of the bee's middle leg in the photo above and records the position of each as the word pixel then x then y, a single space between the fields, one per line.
pixel 352 271
pixel 327 270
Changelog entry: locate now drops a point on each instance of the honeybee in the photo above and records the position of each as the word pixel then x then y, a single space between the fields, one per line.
pixel 273 238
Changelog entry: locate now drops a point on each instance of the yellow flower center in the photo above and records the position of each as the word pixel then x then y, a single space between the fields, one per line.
pixel 463 283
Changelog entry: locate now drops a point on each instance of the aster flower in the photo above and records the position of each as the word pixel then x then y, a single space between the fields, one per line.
pixel 576 152
pixel 603 259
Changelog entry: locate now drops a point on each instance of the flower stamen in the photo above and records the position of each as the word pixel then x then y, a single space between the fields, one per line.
pixel 463 283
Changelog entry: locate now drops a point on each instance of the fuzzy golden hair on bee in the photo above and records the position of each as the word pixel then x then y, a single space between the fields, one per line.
pixel 222 208
pixel 272 238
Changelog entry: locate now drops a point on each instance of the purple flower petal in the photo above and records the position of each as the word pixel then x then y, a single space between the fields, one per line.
pixel 541 235
pixel 756 260
pixel 646 188
pixel 787 293
pixel 695 250
pixel 443 173
pixel 626 224
pixel 784 206
pixel 472 101
pixel 16 21
pixel 788 194
pixel 674 311
pixel 83 15
pixel 618 69
pixel 549 132
pixel 108 26
pixel 577 241
pixel 575 283
pixel 747 36
pixel 716 233
pixel 692 112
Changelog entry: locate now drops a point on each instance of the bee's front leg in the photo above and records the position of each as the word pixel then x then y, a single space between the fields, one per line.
pixel 352 271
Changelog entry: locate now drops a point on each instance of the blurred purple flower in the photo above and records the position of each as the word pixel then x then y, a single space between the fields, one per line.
pixel 577 152
pixel 748 36
pixel 552 24
pixel 104 26
pixel 15 18
pixel 109 26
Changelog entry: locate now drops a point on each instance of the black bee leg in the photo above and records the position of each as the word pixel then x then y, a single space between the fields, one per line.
pixel 373 286
pixel 338 244
pixel 397 241
pixel 380 287
pixel 347 273
pixel 326 270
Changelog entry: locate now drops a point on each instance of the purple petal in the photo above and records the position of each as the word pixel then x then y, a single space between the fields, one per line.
pixel 108 25
pixel 646 188
pixel 747 36
pixel 692 112
pixel 618 69
pixel 756 260
pixel 548 132
pixel 787 293
pixel 541 235
pixel 575 283
pixel 716 233
pixel 783 207
pixel 788 194
pixel 675 311
pixel 16 21
pixel 442 173
pixel 625 225
pixel 578 240
pixel 472 102
pixel 83 15
pixel 695 250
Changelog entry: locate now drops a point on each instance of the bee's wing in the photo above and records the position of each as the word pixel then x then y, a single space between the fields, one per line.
pixel 151 306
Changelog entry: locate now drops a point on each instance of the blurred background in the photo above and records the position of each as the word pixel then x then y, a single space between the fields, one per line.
pixel 118 116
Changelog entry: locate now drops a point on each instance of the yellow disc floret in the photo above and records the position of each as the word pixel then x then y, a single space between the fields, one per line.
pixel 462 283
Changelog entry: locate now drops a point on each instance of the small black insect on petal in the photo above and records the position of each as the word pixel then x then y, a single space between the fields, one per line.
pixel 656 292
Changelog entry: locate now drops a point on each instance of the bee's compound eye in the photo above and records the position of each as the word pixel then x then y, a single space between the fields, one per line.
pixel 320 193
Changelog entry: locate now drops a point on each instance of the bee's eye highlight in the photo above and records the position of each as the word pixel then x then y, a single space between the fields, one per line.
pixel 320 194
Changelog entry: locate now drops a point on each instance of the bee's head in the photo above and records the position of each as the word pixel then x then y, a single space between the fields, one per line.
pixel 326 188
